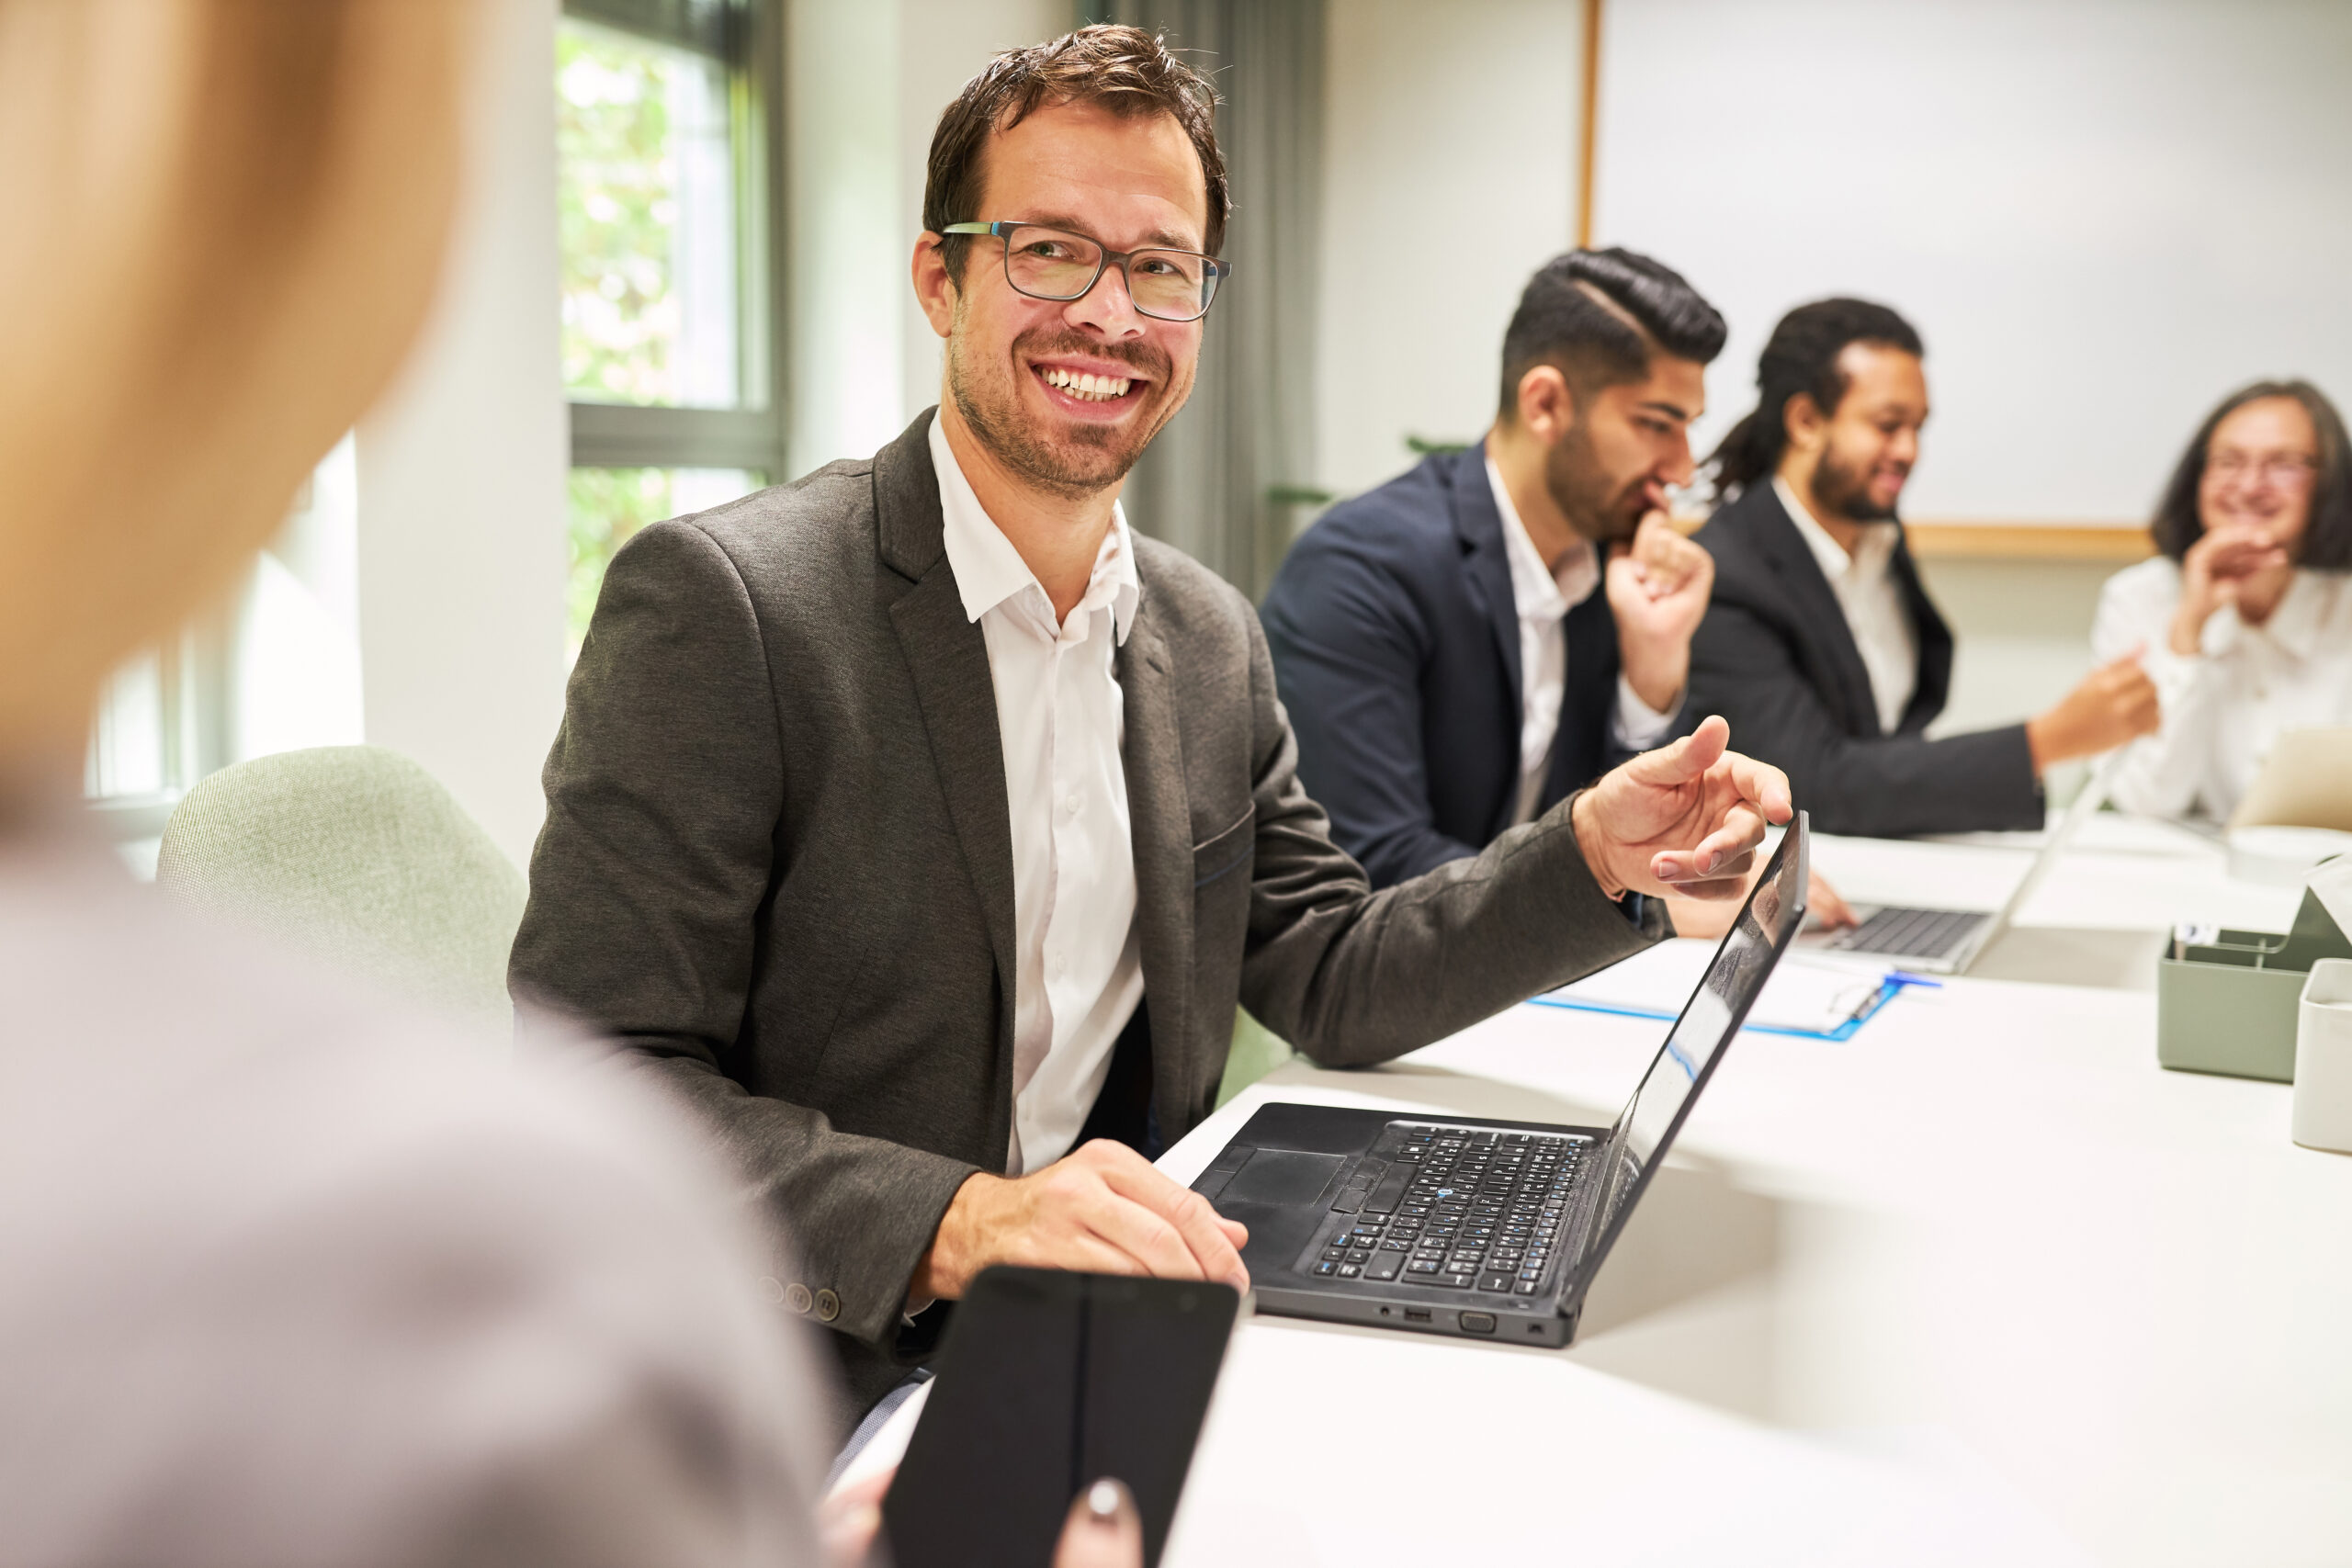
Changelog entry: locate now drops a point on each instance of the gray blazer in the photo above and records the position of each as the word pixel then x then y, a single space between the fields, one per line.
pixel 778 863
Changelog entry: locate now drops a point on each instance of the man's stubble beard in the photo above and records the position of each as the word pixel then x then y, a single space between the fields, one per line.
pixel 989 405
pixel 1583 492
pixel 1840 491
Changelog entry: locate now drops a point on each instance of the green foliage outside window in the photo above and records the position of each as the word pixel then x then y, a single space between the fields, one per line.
pixel 647 213
pixel 618 202
pixel 608 505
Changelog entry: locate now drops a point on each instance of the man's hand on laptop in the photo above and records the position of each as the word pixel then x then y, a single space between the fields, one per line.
pixel 1103 1208
pixel 1685 819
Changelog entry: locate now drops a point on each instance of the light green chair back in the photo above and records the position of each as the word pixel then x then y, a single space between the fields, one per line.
pixel 361 856
pixel 1256 1051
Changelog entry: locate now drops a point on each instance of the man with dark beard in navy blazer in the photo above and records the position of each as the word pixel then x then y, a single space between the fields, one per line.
pixel 1474 640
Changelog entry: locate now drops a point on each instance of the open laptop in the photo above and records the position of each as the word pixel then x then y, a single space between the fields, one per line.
pixel 2305 781
pixel 1946 941
pixel 1489 1229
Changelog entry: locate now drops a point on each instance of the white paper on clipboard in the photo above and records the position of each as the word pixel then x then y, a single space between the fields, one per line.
pixel 1816 994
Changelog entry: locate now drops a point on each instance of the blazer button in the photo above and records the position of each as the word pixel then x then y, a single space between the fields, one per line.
pixel 829 1306
pixel 796 1297
pixel 770 1290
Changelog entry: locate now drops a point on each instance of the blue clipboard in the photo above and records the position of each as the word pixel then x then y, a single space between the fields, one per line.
pixel 1896 982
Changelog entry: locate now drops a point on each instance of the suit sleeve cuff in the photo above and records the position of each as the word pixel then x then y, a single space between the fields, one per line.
pixel 858 1261
pixel 1636 726
pixel 1647 914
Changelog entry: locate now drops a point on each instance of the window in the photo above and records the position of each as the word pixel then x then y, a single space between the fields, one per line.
pixel 609 504
pixel 154 736
pixel 274 668
pixel 667 180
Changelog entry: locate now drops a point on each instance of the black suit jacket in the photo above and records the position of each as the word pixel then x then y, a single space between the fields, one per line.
pixel 1775 658
pixel 1395 647
pixel 777 866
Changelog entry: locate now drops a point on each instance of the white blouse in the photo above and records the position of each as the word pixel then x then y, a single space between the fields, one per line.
pixel 2226 706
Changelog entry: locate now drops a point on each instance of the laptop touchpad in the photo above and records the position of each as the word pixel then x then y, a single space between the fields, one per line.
pixel 1283 1176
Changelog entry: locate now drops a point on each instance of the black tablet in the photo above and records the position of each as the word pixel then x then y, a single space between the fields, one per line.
pixel 1049 1381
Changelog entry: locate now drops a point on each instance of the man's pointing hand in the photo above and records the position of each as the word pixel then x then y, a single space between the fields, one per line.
pixel 1685 819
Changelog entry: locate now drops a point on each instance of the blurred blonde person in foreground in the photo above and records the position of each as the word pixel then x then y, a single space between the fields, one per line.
pixel 2246 613
pixel 288 1275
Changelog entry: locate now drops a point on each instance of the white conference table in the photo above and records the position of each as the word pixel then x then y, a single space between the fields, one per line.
pixel 1982 1283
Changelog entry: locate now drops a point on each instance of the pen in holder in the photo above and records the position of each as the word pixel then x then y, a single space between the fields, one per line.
pixel 2324 1058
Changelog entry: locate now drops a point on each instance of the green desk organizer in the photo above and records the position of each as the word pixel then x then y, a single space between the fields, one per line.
pixel 2229 1007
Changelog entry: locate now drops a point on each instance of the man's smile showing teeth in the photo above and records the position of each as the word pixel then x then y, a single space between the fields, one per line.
pixel 1090 387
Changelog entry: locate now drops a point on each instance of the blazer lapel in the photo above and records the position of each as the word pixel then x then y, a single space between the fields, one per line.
pixel 948 659
pixel 1934 682
pixel 1486 573
pixel 1160 814
pixel 1820 620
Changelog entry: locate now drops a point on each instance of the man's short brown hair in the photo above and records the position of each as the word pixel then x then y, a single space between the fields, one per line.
pixel 1125 70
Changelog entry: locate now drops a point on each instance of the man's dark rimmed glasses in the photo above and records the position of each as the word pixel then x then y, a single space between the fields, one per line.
pixel 1055 263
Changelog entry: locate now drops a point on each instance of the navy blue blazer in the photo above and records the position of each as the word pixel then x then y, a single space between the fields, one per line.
pixel 1396 649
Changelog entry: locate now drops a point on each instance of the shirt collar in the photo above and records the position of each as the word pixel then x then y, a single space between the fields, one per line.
pixel 988 570
pixel 1873 547
pixel 1539 593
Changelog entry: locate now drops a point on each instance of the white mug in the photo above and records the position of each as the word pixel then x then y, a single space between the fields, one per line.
pixel 2324 1058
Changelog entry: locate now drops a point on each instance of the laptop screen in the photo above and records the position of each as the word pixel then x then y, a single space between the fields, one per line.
pixel 1770 918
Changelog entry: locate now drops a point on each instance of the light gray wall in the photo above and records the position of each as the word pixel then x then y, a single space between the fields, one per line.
pixel 1449 176
pixel 2023 630
pixel 461 472
pixel 845 270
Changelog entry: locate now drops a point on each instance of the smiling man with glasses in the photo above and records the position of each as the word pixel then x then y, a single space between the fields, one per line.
pixel 922 827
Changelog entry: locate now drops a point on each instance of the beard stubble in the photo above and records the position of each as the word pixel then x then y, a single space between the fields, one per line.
pixel 1080 459
pixel 1842 491
pixel 1596 506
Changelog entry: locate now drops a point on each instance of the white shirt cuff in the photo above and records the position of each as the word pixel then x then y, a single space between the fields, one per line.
pixel 2177 679
pixel 1637 726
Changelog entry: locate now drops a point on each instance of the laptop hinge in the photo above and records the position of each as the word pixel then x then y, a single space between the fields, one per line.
pixel 1584 1222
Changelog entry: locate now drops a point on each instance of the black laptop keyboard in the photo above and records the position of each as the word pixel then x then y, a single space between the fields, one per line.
pixel 1911 933
pixel 1465 1208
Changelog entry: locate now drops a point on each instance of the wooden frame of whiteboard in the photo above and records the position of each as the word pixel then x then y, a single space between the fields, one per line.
pixel 2121 544
pixel 1590 117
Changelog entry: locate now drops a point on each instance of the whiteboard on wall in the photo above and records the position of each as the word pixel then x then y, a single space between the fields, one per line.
pixel 2101 214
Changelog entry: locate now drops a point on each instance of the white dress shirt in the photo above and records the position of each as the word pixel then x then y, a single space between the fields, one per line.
pixel 1059 710
pixel 1543 599
pixel 2225 706
pixel 1872 601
